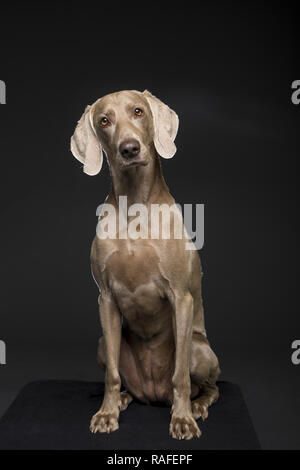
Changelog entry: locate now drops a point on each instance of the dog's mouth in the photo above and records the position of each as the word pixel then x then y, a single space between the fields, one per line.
pixel 133 163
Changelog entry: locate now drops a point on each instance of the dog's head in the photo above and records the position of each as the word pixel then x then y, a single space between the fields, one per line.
pixel 127 125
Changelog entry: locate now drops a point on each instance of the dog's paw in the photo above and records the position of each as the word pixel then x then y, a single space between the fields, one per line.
pixel 184 428
pixel 199 410
pixel 104 422
pixel 125 400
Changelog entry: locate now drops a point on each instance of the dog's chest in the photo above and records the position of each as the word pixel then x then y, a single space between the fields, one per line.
pixel 133 265
pixel 134 276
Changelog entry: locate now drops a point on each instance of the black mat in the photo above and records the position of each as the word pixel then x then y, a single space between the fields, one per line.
pixel 56 415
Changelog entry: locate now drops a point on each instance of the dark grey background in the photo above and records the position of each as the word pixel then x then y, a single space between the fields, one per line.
pixel 227 70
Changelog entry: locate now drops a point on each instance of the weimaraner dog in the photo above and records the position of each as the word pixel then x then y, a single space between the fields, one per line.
pixel 154 339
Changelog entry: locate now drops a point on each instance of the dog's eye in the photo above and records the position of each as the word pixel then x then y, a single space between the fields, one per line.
pixel 138 112
pixel 104 122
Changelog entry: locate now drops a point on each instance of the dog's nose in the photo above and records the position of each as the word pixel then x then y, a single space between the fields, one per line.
pixel 129 148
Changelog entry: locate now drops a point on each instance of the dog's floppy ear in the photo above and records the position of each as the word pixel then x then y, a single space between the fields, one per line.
pixel 85 145
pixel 165 123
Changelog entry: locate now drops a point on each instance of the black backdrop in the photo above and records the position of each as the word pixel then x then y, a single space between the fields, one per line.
pixel 227 70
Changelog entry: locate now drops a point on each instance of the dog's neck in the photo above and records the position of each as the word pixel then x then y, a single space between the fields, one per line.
pixel 141 184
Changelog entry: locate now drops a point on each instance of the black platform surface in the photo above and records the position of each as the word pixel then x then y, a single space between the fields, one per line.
pixel 56 415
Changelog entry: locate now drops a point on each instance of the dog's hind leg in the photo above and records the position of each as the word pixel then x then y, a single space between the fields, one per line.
pixel 126 399
pixel 204 369
pixel 209 395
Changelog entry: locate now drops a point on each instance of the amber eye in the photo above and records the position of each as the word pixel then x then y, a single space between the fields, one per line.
pixel 138 112
pixel 104 121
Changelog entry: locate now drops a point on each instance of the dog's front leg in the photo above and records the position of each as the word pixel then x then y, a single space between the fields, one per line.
pixel 106 419
pixel 183 425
